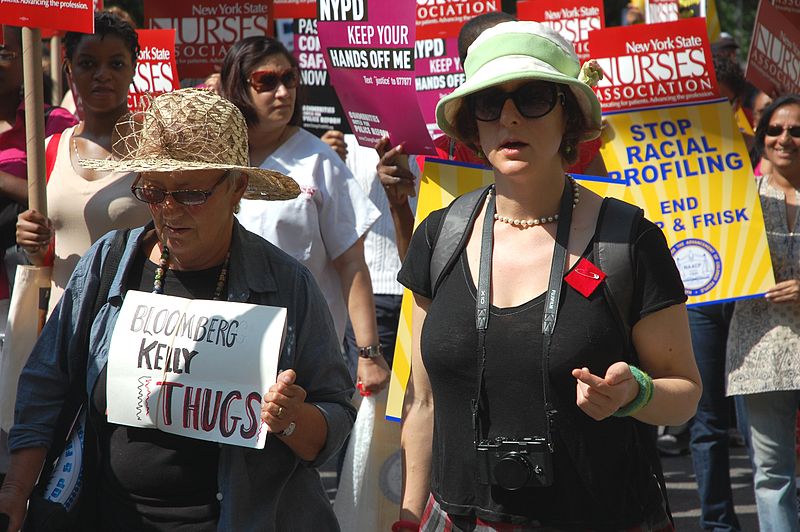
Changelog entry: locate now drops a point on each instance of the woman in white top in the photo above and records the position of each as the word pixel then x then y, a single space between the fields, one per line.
pixel 84 205
pixel 324 228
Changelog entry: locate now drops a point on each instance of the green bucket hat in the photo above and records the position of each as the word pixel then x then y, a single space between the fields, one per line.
pixel 519 50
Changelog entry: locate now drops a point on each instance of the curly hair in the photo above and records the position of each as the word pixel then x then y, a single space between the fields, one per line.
pixel 730 73
pixel 240 60
pixel 105 23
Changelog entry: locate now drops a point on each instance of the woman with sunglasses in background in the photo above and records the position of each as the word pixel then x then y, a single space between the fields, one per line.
pixel 83 204
pixel 324 228
pixel 503 429
pixel 764 337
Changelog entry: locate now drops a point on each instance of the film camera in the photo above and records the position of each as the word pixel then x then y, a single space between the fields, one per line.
pixel 514 464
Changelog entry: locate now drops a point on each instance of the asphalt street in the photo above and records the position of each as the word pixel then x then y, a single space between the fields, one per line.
pixel 681 487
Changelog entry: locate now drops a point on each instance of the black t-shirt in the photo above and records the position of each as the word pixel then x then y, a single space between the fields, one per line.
pixel 600 474
pixel 151 480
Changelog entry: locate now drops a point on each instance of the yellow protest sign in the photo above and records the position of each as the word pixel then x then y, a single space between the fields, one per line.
pixel 443 181
pixel 688 168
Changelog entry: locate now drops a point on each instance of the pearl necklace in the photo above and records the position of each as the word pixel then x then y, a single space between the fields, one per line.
pixel 524 224
pixel 163 266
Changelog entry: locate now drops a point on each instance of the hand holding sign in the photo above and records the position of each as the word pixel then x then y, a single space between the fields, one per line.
pixel 282 402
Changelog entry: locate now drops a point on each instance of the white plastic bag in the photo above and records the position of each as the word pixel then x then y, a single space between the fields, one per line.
pixel 368 498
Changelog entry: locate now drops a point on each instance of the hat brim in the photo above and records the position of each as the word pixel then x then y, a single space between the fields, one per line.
pixel 517 68
pixel 263 184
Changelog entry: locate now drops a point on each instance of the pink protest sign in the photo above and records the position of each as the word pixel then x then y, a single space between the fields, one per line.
pixel 439 72
pixel 321 109
pixel 572 19
pixel 206 29
pixel 774 61
pixel 651 65
pixel 156 71
pixel 444 18
pixel 369 50
pixel 65 15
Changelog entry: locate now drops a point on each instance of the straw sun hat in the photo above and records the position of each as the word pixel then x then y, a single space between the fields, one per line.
pixel 519 50
pixel 190 129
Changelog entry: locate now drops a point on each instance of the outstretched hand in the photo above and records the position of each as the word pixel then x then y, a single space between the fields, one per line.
pixel 599 397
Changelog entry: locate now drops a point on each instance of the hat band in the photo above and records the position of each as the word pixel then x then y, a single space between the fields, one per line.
pixel 526 44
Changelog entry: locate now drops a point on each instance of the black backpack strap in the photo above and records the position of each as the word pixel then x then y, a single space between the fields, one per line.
pixel 76 397
pixel 614 252
pixel 452 234
pixel 613 248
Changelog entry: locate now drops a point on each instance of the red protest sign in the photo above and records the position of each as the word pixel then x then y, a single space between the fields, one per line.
pixel 295 8
pixel 156 70
pixel 444 18
pixel 206 29
pixel 774 61
pixel 572 19
pixel 790 9
pixel 66 15
pixel 651 65
pixel 656 11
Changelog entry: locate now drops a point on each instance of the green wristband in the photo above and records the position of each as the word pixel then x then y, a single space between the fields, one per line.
pixel 642 398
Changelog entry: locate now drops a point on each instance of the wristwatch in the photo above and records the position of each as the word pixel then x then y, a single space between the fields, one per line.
pixel 288 431
pixel 371 351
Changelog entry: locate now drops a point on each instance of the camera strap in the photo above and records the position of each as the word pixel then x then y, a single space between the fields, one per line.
pixel 549 314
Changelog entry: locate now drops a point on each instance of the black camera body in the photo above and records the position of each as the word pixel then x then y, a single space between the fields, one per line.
pixel 515 464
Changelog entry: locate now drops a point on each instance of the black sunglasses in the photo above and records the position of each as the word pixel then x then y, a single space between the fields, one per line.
pixel 532 100
pixel 777 131
pixel 268 80
pixel 189 198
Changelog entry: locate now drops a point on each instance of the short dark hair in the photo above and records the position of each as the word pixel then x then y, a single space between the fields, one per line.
pixel 766 117
pixel 105 24
pixel 475 26
pixel 730 73
pixel 575 127
pixel 241 58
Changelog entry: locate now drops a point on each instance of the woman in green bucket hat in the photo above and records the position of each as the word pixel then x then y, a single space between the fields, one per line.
pixel 525 405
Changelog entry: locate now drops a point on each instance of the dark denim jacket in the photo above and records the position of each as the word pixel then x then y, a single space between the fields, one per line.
pixel 260 490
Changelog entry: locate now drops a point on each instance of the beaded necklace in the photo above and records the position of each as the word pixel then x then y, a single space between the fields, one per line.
pixel 576 197
pixel 161 270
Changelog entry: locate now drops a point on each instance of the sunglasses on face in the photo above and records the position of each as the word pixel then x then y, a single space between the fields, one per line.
pixel 189 198
pixel 268 80
pixel 777 131
pixel 532 100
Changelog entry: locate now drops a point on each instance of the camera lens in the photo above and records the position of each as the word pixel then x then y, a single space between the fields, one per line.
pixel 512 471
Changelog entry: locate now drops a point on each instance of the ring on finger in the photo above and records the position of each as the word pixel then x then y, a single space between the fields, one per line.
pixel 280 412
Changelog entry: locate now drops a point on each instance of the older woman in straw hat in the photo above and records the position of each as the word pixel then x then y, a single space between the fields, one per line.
pixel 506 425
pixel 190 151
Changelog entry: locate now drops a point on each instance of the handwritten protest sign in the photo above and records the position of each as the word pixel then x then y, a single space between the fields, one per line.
pixel 444 18
pixel 321 109
pixel 441 182
pixel 156 71
pixel 688 168
pixel 206 29
pixel 572 19
pixel 774 61
pixel 194 368
pixel 369 51
pixel 295 8
pixel 66 15
pixel 647 65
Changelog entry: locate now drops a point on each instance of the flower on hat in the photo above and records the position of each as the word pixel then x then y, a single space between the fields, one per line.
pixel 591 73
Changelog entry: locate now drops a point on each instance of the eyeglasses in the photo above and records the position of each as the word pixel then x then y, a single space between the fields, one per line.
pixel 532 100
pixel 189 198
pixel 777 131
pixel 7 56
pixel 268 80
